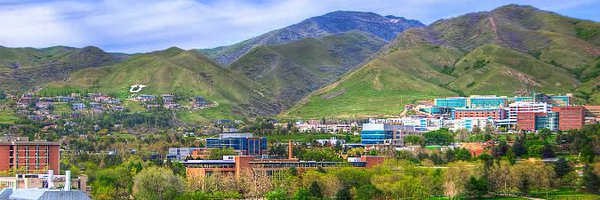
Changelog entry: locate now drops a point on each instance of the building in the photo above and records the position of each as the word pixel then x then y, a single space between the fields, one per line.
pixel 20 154
pixel 244 142
pixel 180 153
pixel 477 101
pixel 398 134
pixel 492 113
pixel 468 123
pixel 77 106
pixel 331 141
pixel 375 133
pixel 146 97
pixel 452 102
pixel 525 107
pixel 45 191
pixel 167 98
pixel 526 121
pixel 592 113
pixel 570 117
pixel 236 165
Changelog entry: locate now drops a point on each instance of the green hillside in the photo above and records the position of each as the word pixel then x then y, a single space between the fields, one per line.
pixel 295 69
pixel 509 49
pixel 175 71
pixel 25 68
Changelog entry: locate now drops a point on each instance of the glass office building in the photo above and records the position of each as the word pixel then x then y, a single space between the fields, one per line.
pixel 487 101
pixel 244 142
pixel 375 133
pixel 452 102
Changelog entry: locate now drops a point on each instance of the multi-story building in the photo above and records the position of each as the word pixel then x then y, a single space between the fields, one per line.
pixel 375 133
pixel 592 113
pixel 244 142
pixel 477 101
pixel 20 154
pixel 570 117
pixel 492 113
pixel 398 134
pixel 452 102
pixel 468 123
pixel 274 168
pixel 531 121
pixel 525 107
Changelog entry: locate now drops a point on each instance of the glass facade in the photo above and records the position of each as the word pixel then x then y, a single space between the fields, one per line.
pixel 453 102
pixel 252 145
pixel 487 102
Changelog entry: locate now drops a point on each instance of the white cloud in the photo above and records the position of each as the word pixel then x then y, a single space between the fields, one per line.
pixel 137 26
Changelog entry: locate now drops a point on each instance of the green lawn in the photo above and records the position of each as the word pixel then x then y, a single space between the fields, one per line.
pixel 7 117
pixel 565 193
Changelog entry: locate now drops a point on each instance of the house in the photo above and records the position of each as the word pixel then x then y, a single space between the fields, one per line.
pixel 77 106
pixel 65 99
pixel 42 105
pixel 146 97
pixel 199 101
pixel 167 98
pixel 95 105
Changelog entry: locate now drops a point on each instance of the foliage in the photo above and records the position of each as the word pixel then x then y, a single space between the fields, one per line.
pixel 157 183
pixel 439 137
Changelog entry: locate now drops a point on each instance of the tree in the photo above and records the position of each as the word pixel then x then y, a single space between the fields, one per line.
pixel 344 194
pixel 500 149
pixel 519 148
pixel 315 190
pixel 301 194
pixel 218 153
pixel 366 192
pixel 591 181
pixel 476 187
pixel 510 156
pixel 524 185
pixel 438 137
pixel 276 194
pixel 547 151
pixel 157 183
pixel 561 167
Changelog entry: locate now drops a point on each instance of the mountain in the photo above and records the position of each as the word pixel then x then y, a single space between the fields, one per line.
pixel 174 71
pixel 295 69
pixel 503 51
pixel 384 27
pixel 25 68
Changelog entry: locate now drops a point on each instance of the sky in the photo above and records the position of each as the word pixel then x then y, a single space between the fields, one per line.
pixel 133 26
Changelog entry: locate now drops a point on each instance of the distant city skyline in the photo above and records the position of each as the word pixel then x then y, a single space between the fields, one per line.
pixel 140 26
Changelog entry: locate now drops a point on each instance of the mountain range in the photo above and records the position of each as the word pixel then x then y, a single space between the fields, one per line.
pixel 342 64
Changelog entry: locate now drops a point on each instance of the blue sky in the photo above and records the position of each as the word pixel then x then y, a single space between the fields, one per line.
pixel 140 26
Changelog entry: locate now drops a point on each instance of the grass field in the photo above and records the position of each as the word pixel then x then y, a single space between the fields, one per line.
pixel 7 117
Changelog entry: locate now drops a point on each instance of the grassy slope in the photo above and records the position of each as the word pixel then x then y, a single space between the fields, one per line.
pixel 25 68
pixel 293 70
pixel 183 73
pixel 7 117
pixel 521 48
pixel 382 86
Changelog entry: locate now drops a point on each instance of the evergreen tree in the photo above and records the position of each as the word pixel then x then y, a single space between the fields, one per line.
pixel 519 148
pixel 591 181
pixel 561 167
pixel 524 186
pixel 315 190
pixel 476 187
pixel 510 156
pixel 343 194
pixel 547 151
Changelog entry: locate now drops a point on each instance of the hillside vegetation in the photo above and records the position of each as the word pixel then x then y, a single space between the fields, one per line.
pixel 25 68
pixel 173 71
pixel 383 27
pixel 510 49
pixel 293 70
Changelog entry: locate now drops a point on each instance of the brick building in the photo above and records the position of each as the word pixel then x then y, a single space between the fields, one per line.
pixel 18 153
pixel 493 113
pixel 272 167
pixel 570 117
